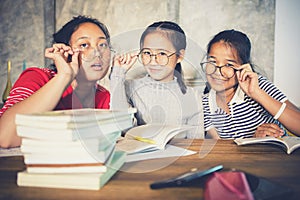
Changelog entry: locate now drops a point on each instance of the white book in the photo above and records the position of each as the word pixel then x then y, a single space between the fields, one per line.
pixel 150 137
pixel 87 181
pixel 70 168
pixel 66 169
pixel 29 145
pixel 65 134
pixel 104 125
pixel 288 143
pixel 72 115
pixel 63 157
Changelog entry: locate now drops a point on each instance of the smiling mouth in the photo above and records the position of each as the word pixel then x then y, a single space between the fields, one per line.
pixel 155 68
pixel 218 80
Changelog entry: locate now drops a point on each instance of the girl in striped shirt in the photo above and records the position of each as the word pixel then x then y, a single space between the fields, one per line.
pixel 238 102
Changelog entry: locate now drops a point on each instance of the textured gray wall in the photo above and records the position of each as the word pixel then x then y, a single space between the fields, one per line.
pixel 27 25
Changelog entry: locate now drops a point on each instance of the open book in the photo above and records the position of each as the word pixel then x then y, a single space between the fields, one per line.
pixel 288 143
pixel 150 137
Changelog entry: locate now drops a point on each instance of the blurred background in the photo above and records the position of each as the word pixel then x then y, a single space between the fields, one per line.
pixel 272 25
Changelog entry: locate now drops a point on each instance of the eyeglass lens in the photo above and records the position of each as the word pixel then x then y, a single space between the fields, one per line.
pixel 89 53
pixel 225 71
pixel 161 58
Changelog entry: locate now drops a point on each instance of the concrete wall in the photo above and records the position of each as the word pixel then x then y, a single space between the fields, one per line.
pixel 27 25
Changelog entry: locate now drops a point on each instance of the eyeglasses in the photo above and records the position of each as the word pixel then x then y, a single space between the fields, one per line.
pixel 227 70
pixel 162 58
pixel 89 53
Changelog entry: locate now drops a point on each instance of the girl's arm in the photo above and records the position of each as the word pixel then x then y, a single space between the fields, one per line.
pixel 121 64
pixel 196 118
pixel 212 134
pixel 45 99
pixel 290 116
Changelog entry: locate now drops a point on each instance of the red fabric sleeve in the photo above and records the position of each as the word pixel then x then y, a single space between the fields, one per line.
pixel 102 98
pixel 30 80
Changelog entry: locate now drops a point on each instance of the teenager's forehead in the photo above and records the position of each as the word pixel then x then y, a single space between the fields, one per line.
pixel 158 40
pixel 224 50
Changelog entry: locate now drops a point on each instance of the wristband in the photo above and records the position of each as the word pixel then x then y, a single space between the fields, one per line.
pixel 280 111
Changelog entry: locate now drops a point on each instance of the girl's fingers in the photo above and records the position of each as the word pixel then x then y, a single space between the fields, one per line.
pixel 62 49
pixel 125 60
pixel 245 71
pixel 269 129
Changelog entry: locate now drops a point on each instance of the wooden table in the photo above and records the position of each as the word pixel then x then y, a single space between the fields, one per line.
pixel 266 161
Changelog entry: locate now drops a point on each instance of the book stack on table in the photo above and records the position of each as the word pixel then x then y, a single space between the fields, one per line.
pixel 71 148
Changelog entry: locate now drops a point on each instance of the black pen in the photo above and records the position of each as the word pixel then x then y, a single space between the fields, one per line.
pixel 185 178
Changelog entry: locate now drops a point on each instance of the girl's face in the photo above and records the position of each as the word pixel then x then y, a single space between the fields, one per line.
pixel 94 51
pixel 157 43
pixel 222 54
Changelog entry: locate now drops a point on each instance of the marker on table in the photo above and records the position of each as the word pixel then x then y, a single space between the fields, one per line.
pixel 147 140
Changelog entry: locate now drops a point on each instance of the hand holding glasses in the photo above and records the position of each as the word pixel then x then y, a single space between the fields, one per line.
pixel 227 70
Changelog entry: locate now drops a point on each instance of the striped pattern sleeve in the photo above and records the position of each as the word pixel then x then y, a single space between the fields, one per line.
pixel 31 80
pixel 271 89
pixel 15 96
pixel 206 112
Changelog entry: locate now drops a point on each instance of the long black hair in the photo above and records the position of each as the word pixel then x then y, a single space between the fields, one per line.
pixel 65 33
pixel 177 36
pixel 236 40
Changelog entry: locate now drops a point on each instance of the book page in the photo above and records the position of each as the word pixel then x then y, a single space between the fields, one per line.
pixel 289 143
pixel 292 143
pixel 169 151
pixel 160 134
pixel 131 146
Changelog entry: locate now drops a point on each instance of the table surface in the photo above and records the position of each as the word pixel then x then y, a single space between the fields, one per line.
pixel 266 161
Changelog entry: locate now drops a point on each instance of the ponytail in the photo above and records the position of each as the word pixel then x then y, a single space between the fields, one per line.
pixel 179 76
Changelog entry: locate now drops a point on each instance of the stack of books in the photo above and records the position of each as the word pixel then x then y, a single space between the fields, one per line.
pixel 71 148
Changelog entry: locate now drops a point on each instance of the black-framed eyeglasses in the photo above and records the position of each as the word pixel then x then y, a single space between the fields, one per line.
pixel 227 70
pixel 161 58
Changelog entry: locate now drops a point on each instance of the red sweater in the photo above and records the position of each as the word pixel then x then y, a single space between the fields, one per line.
pixel 32 79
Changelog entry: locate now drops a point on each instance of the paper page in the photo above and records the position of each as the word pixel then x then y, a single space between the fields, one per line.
pixel 132 146
pixel 292 143
pixel 169 151
pixel 159 133
pixel 10 152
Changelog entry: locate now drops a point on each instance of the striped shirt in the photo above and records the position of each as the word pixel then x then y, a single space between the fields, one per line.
pixel 245 113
